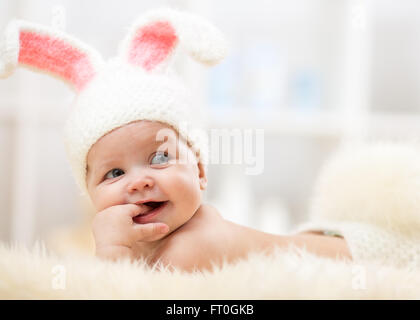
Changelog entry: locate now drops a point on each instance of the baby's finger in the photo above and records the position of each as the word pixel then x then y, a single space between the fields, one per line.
pixel 133 209
pixel 150 231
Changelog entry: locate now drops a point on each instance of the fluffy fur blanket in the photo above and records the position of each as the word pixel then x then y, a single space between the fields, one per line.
pixel 288 274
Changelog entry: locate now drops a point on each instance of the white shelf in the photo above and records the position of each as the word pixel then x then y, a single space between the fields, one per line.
pixel 394 125
pixel 282 122
pixel 330 124
pixel 315 123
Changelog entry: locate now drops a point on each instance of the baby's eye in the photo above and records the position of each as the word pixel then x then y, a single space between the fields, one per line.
pixel 160 157
pixel 115 171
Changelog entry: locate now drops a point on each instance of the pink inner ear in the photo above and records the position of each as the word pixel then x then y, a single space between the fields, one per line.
pixel 152 45
pixel 56 56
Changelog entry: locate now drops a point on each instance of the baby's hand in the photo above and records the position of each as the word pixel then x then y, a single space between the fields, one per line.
pixel 115 232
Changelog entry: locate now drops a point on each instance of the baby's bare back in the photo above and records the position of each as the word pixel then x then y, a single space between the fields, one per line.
pixel 207 239
pixel 196 243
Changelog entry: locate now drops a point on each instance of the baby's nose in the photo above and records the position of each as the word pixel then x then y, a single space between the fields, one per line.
pixel 140 182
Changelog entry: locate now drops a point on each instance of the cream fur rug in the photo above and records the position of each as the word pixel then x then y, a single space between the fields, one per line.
pixel 293 274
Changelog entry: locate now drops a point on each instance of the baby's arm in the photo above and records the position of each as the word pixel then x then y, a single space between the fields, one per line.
pixel 320 244
pixel 248 239
pixel 188 255
pixel 196 246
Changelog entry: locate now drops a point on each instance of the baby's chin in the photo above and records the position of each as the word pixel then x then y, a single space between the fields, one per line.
pixel 176 227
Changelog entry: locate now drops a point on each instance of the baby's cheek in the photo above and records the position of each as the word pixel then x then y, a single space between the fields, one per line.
pixel 106 197
pixel 186 186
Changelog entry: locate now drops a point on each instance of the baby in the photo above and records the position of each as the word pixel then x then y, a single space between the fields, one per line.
pixel 149 204
pixel 147 190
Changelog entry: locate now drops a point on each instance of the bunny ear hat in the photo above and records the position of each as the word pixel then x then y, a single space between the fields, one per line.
pixel 137 84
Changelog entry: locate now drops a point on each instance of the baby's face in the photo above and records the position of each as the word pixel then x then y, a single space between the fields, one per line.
pixel 130 164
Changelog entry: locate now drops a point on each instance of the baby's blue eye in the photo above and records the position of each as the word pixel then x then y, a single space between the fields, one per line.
pixel 160 157
pixel 116 171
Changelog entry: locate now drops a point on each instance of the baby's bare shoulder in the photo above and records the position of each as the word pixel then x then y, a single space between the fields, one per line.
pixel 195 244
pixel 201 239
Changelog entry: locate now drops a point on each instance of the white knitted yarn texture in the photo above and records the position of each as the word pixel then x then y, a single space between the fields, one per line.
pixel 137 84
pixel 121 94
pixel 370 194
pixel 372 244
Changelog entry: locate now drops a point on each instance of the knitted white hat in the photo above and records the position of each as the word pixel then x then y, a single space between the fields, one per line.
pixel 138 84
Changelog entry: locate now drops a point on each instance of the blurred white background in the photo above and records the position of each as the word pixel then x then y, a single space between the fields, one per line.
pixel 312 73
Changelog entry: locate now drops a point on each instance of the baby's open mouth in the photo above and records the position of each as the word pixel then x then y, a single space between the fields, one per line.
pixel 149 211
pixel 152 206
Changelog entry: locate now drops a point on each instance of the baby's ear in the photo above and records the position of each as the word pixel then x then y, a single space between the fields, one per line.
pixel 203 183
pixel 202 175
